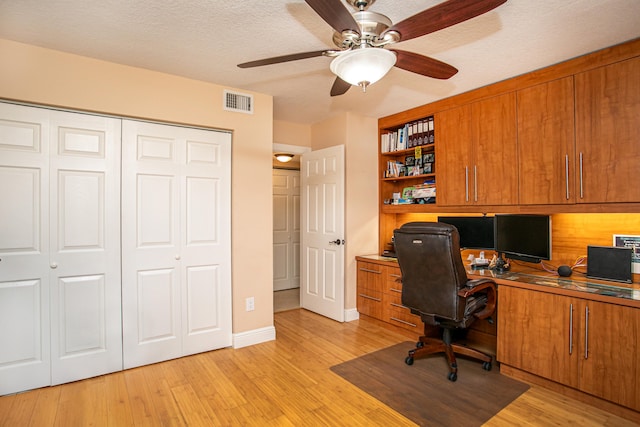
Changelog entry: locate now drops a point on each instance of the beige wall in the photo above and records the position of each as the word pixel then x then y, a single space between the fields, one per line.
pixel 35 75
pixel 359 135
pixel 291 133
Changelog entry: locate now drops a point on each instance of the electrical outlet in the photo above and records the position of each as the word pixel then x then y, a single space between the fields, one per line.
pixel 250 304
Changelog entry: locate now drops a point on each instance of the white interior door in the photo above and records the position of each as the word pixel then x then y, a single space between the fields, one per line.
pixel 84 223
pixel 322 266
pixel 176 241
pixel 24 249
pixel 286 229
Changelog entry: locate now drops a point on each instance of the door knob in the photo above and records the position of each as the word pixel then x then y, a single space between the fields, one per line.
pixel 336 242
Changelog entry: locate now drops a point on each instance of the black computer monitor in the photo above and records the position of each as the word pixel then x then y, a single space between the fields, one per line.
pixel 523 237
pixel 476 232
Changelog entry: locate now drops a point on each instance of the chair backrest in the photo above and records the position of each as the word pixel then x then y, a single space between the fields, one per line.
pixel 432 269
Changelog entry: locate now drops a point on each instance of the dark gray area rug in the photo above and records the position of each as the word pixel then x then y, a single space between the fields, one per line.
pixel 423 393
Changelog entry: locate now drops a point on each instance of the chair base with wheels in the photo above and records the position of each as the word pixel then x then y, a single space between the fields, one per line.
pixel 429 345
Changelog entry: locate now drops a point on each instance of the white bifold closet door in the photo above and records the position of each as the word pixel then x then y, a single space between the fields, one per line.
pixel 60 317
pixel 176 241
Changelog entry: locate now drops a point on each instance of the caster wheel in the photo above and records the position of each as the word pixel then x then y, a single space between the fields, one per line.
pixel 419 344
pixel 486 366
pixel 409 360
pixel 452 376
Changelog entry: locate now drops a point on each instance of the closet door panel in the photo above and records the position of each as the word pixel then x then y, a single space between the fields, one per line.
pixel 176 238
pixel 206 237
pixel 24 248
pixel 85 246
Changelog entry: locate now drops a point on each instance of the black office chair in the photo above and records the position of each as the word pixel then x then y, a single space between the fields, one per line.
pixel 435 286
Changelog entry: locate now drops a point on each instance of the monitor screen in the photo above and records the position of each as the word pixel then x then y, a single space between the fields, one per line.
pixel 476 232
pixel 523 237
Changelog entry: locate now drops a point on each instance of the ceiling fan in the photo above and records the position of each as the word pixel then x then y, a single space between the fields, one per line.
pixel 361 58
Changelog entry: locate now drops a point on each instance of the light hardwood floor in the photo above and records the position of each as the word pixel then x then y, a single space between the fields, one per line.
pixel 286 382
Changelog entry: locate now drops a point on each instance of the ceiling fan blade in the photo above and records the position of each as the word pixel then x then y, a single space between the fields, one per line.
pixel 443 15
pixel 335 14
pixel 340 87
pixel 424 65
pixel 284 58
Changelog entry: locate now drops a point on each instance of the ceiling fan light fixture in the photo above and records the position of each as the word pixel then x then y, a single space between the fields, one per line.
pixel 364 66
pixel 283 157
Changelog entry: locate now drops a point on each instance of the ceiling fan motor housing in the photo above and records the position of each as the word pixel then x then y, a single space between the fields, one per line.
pixel 372 25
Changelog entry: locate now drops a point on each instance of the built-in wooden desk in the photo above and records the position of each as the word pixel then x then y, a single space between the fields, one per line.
pixel 574 335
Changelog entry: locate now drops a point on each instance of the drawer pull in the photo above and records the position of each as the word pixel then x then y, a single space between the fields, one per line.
pixel 404 321
pixel 369 297
pixel 395 290
pixel 397 305
pixel 395 275
pixel 370 271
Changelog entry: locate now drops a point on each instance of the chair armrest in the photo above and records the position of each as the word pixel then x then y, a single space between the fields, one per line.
pixel 478 285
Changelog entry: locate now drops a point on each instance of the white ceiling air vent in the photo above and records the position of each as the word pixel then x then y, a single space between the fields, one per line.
pixel 239 102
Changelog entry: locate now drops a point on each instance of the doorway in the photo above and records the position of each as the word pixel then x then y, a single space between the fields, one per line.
pixel 286 228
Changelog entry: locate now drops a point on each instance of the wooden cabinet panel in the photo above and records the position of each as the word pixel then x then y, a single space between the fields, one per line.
pixel 610 365
pixel 588 345
pixel 534 334
pixel 369 287
pixel 454 156
pixel 607 129
pixel 476 153
pixel 546 143
pixel 494 130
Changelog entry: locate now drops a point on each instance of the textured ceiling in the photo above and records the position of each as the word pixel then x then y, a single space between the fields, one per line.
pixel 205 39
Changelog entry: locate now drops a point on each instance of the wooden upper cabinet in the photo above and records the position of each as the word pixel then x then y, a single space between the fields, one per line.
pixel 454 156
pixel 476 153
pixel 546 143
pixel 608 133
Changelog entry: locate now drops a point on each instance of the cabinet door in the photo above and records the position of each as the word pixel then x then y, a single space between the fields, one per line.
pixel 609 352
pixel 537 333
pixel 495 169
pixel 454 157
pixel 370 278
pixel 607 129
pixel 546 145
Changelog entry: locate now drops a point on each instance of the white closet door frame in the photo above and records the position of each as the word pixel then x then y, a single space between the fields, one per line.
pixel 176 204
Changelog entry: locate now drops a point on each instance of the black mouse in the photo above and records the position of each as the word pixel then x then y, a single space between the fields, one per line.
pixel 564 271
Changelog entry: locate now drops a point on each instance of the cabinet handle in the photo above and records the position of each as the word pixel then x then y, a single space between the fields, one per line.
pixel 395 275
pixel 403 321
pixel 570 328
pixel 397 305
pixel 466 183
pixel 395 290
pixel 581 190
pixel 370 271
pixel 371 298
pixel 566 174
pixel 586 332
pixel 475 183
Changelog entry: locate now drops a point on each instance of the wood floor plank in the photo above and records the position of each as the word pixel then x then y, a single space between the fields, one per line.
pixel 47 407
pixel 117 401
pixel 286 382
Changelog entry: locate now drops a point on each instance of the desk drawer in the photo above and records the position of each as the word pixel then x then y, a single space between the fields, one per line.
pixel 369 302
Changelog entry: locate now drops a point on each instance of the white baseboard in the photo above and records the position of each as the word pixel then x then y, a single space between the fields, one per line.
pixel 351 314
pixel 257 336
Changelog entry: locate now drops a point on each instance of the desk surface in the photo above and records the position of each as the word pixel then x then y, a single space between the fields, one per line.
pixel 532 276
